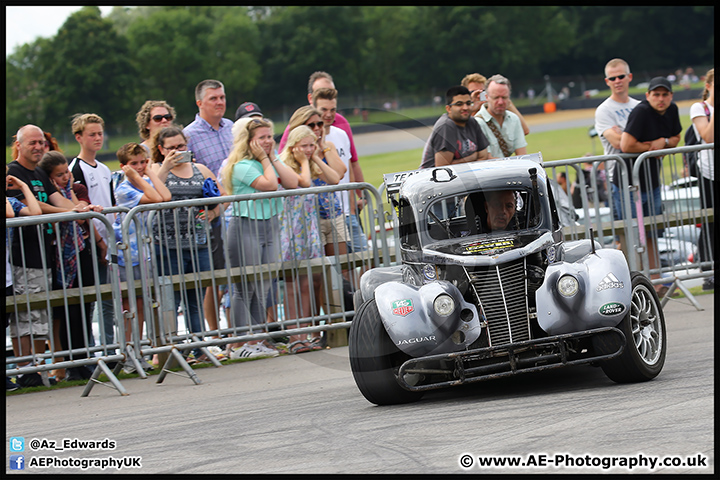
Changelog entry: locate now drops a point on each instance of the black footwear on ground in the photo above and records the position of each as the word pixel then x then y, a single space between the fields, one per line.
pixel 30 380
pixel 709 283
pixel 10 386
pixel 78 373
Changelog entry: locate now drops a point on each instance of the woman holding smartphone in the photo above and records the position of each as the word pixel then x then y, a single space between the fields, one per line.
pixel 184 179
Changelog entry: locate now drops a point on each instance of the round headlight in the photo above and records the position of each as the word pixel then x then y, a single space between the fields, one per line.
pixel 568 285
pixel 444 305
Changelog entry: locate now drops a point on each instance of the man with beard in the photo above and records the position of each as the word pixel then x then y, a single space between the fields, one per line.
pixel 455 139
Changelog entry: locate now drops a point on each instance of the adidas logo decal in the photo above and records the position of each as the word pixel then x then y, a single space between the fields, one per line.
pixel 610 281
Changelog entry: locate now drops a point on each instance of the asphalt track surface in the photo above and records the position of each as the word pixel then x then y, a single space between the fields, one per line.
pixel 303 414
pixel 397 140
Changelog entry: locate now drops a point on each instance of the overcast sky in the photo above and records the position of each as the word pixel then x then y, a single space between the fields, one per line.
pixel 25 24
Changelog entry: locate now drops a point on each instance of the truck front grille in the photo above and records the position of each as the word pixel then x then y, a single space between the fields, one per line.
pixel 502 292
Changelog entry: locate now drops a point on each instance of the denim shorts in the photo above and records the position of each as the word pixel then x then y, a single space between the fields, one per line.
pixel 656 203
pixel 359 242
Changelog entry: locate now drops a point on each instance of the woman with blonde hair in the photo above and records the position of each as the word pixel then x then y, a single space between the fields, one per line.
pixel 253 228
pixel 332 222
pixel 299 230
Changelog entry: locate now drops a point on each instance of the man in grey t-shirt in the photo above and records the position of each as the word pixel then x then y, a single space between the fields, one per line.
pixel 456 136
pixel 611 115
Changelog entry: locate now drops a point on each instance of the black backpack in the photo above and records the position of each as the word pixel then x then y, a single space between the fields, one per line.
pixel 690 158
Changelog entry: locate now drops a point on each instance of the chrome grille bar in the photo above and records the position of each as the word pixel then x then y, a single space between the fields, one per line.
pixel 502 292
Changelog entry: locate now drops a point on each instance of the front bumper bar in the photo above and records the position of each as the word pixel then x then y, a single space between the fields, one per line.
pixel 521 357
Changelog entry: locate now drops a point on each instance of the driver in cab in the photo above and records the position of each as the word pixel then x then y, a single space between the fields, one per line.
pixel 500 208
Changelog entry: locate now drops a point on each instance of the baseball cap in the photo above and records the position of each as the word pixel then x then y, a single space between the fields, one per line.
pixel 248 109
pixel 659 82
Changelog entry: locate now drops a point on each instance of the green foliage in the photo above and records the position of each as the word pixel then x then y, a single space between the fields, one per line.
pixel 24 101
pixel 265 54
pixel 89 71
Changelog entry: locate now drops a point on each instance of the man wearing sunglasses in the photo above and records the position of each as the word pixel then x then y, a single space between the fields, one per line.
pixel 611 115
pixel 456 136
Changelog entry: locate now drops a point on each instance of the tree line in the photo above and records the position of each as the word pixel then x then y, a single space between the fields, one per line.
pixel 111 65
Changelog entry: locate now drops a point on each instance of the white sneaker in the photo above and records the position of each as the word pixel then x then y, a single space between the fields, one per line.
pixel 267 351
pixel 247 351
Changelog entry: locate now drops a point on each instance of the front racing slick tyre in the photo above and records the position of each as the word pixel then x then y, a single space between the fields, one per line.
pixel 644 327
pixel 375 360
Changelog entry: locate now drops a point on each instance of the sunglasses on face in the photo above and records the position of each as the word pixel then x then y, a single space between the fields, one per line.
pixel 469 103
pixel 316 124
pixel 158 118
pixel 619 77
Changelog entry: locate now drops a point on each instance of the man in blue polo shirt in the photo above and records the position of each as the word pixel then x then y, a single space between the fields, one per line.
pixel 210 139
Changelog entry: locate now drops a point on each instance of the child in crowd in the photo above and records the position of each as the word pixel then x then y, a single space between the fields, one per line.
pixel 299 230
pixel 89 131
pixel 140 186
pixel 74 266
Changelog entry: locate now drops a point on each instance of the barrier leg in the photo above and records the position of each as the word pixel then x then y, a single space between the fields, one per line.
pixel 679 284
pixel 176 356
pixel 136 363
pixel 103 368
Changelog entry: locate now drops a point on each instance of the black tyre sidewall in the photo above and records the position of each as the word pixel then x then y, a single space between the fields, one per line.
pixel 629 366
pixel 373 359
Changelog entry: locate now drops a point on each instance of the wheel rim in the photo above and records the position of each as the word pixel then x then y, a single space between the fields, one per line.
pixel 646 325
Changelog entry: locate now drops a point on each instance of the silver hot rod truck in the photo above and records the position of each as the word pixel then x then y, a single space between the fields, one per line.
pixel 487 288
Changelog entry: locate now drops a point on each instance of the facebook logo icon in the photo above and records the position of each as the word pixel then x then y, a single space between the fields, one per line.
pixel 17 444
pixel 17 462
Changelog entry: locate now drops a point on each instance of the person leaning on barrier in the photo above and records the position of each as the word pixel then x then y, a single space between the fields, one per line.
pixel 32 253
pixel 456 137
pixel 141 186
pixel 299 230
pixel 73 266
pixel 333 229
pixel 654 124
pixel 610 119
pixel 184 181
pixel 51 144
pixel 704 126
pixel 252 232
pixel 15 208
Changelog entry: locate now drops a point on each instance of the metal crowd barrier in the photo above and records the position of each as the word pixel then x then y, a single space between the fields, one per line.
pixel 674 233
pixel 94 353
pixel 174 340
pixel 685 223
